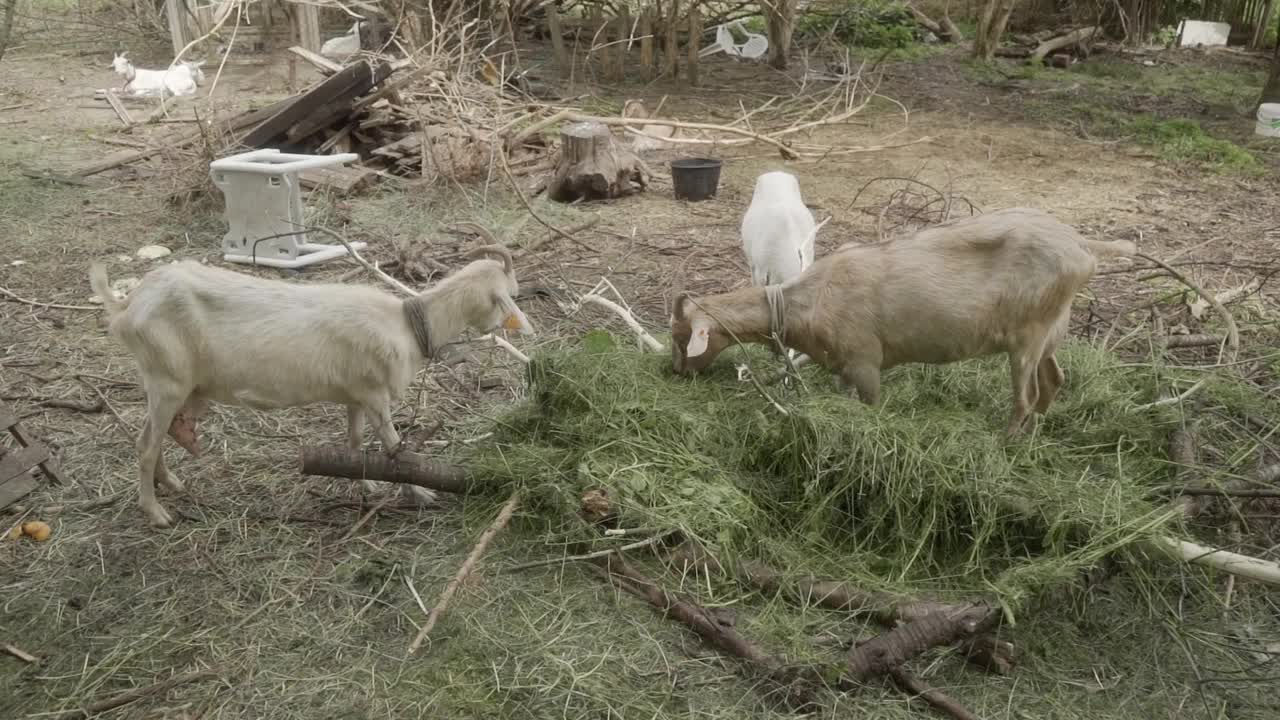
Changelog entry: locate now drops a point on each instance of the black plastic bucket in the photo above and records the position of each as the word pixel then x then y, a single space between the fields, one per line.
pixel 695 179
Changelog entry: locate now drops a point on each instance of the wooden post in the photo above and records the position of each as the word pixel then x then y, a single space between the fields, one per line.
pixel 672 50
pixel 557 40
pixel 695 41
pixel 175 13
pixel 622 35
pixel 308 20
pixel 598 34
pixel 646 42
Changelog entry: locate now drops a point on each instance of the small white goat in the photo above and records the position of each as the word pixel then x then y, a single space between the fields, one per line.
pixel 180 80
pixel 343 46
pixel 201 334
pixel 999 282
pixel 778 231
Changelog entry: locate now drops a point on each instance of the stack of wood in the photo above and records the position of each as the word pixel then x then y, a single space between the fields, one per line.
pixel 400 119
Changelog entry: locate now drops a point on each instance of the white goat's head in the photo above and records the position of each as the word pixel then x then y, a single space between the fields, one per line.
pixel 121 64
pixel 196 73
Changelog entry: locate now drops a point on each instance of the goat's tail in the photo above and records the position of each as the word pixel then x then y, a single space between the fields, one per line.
pixel 1100 248
pixel 102 288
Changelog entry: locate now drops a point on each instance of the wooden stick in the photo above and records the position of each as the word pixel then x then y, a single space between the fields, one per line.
pixel 19 653
pixel 129 696
pixel 499 522
pixel 9 294
pixel 594 555
pixel 909 683
pixel 795 685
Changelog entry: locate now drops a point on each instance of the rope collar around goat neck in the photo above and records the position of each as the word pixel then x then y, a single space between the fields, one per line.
pixel 415 313
pixel 777 316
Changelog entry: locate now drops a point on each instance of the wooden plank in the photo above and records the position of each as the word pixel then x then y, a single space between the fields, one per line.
pixel 343 180
pixel 318 61
pixel 118 106
pixel 672 52
pixel 18 461
pixel 49 464
pixel 16 489
pixel 557 40
pixel 174 11
pixel 646 42
pixel 308 26
pixel 318 107
pixel 695 37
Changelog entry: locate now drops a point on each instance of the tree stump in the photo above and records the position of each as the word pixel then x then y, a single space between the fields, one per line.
pixel 594 167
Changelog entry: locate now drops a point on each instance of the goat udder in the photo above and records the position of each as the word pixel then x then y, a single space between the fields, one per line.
pixel 183 430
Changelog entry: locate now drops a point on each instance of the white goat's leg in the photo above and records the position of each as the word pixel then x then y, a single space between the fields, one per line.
pixel 391 444
pixel 163 476
pixel 162 404
pixel 355 440
pixel 1022 373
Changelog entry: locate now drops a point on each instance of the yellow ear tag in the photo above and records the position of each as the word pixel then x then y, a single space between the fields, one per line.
pixel 511 323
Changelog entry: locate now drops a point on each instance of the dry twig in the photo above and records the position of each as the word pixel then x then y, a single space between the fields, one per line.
pixel 499 522
pixel 129 696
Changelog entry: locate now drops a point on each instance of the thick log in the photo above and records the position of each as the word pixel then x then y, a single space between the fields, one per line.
pixel 1074 37
pixel 593 166
pixel 406 468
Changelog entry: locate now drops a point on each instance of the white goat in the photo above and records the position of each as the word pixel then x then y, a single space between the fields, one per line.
pixel 201 334
pixel 343 46
pixel 180 80
pixel 778 231
pixel 1002 282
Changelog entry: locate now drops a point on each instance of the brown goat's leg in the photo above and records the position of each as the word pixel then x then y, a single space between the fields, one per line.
pixel 864 380
pixel 1051 379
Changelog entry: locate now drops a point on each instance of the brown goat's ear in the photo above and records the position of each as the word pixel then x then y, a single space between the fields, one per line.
pixel 677 307
pixel 498 251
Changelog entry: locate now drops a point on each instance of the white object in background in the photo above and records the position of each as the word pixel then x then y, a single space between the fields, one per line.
pixel 1197 32
pixel 264 208
pixel 343 46
pixel 1268 120
pixel 152 252
pixel 755 47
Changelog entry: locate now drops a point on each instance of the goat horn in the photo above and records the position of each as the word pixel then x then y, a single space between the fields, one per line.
pixel 480 230
pixel 501 251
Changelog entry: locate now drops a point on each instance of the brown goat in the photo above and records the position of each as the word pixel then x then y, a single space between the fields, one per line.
pixel 999 282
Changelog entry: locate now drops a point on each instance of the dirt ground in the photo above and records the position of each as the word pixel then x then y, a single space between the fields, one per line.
pixel 268 580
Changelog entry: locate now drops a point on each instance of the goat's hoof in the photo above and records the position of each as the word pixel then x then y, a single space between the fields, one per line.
pixel 159 517
pixel 422 497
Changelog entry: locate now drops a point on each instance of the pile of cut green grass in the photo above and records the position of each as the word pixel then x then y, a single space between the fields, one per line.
pixel 920 494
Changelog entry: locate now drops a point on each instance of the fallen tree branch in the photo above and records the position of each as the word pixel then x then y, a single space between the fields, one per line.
pixel 406 468
pixel 1264 571
pixel 1074 37
pixel 129 696
pixel 1233 333
pixel 1186 341
pixel 984 650
pixel 9 294
pixel 883 653
pixel 796 687
pixel 640 332
pixel 499 522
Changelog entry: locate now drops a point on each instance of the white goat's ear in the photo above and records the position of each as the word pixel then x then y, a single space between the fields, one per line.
pixel 699 337
pixel 513 318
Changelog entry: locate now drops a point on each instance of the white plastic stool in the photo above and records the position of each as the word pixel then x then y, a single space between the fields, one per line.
pixel 264 208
